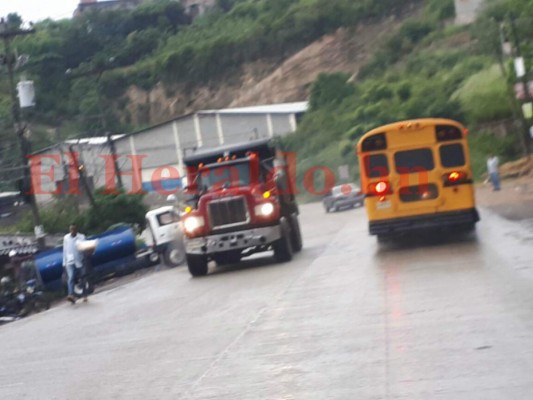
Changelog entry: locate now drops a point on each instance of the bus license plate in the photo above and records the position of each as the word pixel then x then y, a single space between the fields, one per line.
pixel 381 205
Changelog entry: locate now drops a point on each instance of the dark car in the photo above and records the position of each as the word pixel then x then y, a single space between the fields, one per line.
pixel 343 196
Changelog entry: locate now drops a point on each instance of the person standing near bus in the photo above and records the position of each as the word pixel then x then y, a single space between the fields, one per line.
pixel 72 258
pixel 493 168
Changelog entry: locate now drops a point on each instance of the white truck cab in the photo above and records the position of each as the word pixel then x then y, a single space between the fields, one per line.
pixel 163 233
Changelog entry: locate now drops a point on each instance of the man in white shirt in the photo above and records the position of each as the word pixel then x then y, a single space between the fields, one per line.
pixel 72 258
pixel 494 171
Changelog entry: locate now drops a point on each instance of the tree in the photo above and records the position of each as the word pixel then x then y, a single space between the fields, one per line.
pixel 14 21
pixel 330 89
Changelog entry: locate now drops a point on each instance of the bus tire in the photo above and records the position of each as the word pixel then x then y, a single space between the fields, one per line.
pixel 197 264
pixel 283 247
pixel 382 238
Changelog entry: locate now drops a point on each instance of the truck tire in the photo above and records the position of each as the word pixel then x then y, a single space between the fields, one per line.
pixel 197 264
pixel 173 256
pixel 296 234
pixel 283 246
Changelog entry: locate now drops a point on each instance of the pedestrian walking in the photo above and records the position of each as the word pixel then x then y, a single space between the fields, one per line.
pixel 73 259
pixel 493 168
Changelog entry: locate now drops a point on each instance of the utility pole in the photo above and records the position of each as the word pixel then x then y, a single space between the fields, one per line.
pixel 103 122
pixel 110 141
pixel 7 35
pixel 66 177
pixel 81 174
pixel 525 84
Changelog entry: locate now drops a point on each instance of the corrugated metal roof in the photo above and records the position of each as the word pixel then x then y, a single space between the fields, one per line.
pixel 94 141
pixel 284 108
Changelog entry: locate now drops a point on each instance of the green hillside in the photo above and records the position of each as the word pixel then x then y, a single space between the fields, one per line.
pixel 428 69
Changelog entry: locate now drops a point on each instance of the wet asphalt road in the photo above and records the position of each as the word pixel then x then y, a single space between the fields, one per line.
pixel 347 319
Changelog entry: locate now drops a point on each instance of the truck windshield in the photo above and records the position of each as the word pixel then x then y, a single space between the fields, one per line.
pixel 225 176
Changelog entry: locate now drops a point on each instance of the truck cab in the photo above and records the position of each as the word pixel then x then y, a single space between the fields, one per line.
pixel 163 234
pixel 240 202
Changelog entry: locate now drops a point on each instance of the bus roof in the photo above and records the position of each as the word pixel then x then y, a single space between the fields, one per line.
pixel 413 122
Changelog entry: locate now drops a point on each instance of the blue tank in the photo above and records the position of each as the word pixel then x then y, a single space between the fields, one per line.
pixel 114 252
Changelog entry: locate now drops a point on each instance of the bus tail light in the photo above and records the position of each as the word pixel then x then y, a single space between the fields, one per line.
pixel 456 178
pixel 380 188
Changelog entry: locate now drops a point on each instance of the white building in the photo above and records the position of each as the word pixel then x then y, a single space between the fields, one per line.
pixel 466 11
pixel 160 149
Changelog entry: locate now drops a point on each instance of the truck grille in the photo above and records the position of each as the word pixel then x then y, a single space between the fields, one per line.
pixel 228 212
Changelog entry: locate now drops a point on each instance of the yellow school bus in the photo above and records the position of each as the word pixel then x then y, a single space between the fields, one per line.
pixel 417 175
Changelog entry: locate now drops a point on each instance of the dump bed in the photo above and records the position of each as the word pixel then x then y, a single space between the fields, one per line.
pixel 264 148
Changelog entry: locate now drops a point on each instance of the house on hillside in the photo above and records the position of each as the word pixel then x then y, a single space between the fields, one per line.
pixel 466 11
pixel 194 8
pixel 95 5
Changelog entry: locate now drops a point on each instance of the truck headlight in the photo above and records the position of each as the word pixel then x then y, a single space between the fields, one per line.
pixel 265 209
pixel 192 223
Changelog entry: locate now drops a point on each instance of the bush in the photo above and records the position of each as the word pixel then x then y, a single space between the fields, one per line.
pixel 330 89
pixel 484 97
pixel 114 208
pixel 482 144
pixel 55 219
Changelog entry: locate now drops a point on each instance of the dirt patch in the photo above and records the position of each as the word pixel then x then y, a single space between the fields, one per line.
pixel 346 50
pixel 267 81
pixel 514 201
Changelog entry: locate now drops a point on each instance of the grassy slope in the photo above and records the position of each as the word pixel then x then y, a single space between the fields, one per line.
pixel 437 72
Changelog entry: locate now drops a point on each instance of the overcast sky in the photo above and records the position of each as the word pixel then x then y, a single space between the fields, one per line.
pixel 37 10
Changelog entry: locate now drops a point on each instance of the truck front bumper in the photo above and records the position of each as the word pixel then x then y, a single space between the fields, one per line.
pixel 239 240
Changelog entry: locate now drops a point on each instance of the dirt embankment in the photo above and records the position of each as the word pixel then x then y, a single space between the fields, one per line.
pixel 268 81
pixel 515 199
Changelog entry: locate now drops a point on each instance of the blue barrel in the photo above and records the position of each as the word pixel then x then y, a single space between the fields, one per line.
pixel 115 250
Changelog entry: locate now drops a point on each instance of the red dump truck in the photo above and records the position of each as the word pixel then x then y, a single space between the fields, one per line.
pixel 240 201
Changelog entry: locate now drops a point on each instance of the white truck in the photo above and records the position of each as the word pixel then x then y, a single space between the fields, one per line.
pixel 163 235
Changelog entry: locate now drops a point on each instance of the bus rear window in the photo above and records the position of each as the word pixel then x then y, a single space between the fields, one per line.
pixel 448 132
pixel 375 142
pixel 411 161
pixel 452 155
pixel 376 166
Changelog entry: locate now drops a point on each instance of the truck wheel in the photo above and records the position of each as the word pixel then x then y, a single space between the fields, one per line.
pixel 296 234
pixel 153 258
pixel 197 264
pixel 174 256
pixel 282 246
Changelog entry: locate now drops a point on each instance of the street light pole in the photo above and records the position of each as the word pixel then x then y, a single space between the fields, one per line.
pixel 7 35
pixel 525 86
pixel 110 141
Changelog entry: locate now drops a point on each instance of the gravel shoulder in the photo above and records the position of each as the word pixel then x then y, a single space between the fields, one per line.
pixel 514 202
